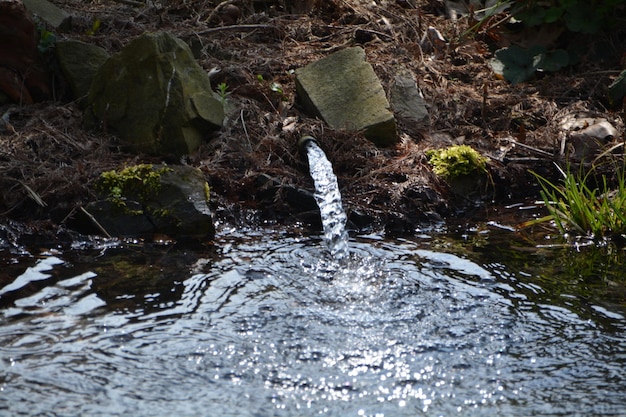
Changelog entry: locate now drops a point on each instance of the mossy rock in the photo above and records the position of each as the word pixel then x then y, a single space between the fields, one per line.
pixel 456 161
pixel 155 97
pixel 79 62
pixel 463 168
pixel 146 199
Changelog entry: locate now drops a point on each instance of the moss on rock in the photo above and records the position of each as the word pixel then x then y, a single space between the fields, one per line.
pixel 137 182
pixel 456 161
pixel 145 199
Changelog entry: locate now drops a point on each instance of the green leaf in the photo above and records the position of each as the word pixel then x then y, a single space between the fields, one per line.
pixel 553 14
pixel 46 40
pixel 95 27
pixel 554 61
pixel 584 18
pixel 516 64
pixel 617 89
pixel 532 16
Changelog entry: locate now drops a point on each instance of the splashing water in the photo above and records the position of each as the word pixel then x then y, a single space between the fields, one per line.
pixel 328 198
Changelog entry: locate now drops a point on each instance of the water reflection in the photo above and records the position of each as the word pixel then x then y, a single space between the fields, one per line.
pixel 266 325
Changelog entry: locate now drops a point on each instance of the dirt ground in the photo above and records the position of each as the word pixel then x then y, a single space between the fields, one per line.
pixel 256 174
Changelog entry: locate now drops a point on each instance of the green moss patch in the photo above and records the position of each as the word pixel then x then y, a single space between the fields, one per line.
pixel 456 161
pixel 138 182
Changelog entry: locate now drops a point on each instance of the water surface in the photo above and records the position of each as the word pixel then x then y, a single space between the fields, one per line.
pixel 266 323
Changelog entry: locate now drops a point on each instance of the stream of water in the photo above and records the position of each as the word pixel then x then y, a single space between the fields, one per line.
pixel 328 198
pixel 280 323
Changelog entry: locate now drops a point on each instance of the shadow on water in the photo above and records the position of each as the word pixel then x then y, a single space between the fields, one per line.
pixel 587 278
pixel 265 323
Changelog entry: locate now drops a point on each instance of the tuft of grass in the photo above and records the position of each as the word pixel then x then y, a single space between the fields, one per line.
pixel 576 206
pixel 222 92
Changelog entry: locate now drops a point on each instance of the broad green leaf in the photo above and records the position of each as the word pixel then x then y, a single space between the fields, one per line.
pixel 555 60
pixel 553 14
pixel 583 18
pixel 516 64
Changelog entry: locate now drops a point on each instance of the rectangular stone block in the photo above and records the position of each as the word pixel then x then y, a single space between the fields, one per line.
pixel 344 91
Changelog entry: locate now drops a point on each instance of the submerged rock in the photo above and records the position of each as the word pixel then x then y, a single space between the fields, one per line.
pixel 344 91
pixel 155 97
pixel 154 199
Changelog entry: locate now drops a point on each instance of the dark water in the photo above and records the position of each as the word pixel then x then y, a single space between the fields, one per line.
pixel 266 324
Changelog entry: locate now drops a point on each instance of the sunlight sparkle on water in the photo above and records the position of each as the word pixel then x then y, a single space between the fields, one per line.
pixel 272 325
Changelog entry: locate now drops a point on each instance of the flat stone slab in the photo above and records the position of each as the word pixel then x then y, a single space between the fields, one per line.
pixel 56 17
pixel 344 91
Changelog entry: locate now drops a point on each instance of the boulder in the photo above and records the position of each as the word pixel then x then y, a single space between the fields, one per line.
pixel 344 91
pixel 79 62
pixel 155 97
pixel 23 78
pixel 146 199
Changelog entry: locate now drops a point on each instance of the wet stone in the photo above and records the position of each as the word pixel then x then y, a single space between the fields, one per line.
pixel 154 199
pixel 408 103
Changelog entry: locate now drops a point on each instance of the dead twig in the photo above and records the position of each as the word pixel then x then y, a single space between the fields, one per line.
pixel 95 222
pixel 33 194
pixel 234 27
pixel 218 8
pixel 530 148
pixel 131 2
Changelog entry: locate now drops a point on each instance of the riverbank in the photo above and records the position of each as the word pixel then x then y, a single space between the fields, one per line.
pixel 252 164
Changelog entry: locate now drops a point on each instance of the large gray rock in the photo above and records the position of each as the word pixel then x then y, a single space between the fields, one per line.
pixel 344 91
pixel 155 97
pixel 146 199
pixel 79 62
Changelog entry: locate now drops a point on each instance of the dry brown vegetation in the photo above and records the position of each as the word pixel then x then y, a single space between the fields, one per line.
pixel 48 161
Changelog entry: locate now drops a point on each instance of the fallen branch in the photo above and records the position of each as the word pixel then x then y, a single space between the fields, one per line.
pixel 234 27
pixel 130 2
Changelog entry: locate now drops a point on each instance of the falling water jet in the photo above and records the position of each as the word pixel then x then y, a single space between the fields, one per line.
pixel 327 196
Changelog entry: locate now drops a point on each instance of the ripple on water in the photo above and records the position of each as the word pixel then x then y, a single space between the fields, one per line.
pixel 360 329
pixel 21 342
pixel 275 327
